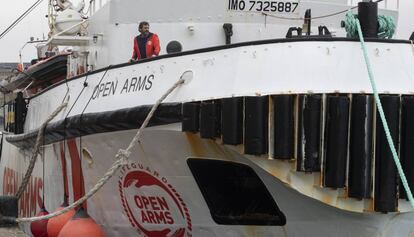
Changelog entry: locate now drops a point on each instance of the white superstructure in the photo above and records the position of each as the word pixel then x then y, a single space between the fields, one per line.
pixel 112 25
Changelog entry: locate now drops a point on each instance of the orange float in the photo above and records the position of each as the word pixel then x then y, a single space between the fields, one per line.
pixel 81 225
pixel 39 228
pixel 20 67
pixel 55 224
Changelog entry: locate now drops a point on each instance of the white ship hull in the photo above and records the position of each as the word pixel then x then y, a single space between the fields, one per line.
pixel 164 150
pixel 105 107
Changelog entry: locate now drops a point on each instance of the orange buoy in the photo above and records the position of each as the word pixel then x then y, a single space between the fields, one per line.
pixel 39 228
pixel 55 224
pixel 20 67
pixel 81 225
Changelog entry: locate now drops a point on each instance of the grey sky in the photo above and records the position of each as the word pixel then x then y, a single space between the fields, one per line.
pixel 35 25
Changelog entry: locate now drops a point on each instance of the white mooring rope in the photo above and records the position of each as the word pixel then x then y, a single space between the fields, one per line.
pixel 122 157
pixel 37 145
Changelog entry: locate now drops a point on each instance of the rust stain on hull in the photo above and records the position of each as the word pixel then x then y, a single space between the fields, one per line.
pixel 208 148
pixel 196 146
pixel 309 184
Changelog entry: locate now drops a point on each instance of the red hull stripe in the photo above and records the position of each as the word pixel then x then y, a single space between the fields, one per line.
pixel 77 175
pixel 64 169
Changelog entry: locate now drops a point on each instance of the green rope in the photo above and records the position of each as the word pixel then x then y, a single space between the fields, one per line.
pixel 351 25
pixel 383 119
pixel 386 26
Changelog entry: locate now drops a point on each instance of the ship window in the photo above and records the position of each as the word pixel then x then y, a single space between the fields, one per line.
pixel 235 194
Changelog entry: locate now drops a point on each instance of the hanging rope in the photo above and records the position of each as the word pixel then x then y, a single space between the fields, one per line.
pixel 383 119
pixel 351 25
pixel 386 26
pixel 121 158
pixel 39 142
pixel 308 18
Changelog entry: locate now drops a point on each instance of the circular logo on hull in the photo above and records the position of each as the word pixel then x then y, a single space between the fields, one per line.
pixel 152 205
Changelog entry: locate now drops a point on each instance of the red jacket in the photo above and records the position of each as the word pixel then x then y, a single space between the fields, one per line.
pixel 152 47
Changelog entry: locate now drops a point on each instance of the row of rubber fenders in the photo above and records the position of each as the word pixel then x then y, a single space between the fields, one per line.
pixel 340 135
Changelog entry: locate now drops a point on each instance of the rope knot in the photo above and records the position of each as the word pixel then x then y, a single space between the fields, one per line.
pixel 386 26
pixel 122 154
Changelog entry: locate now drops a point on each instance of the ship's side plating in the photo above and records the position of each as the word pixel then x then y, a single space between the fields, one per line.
pixel 95 125
pixel 163 153
pixel 199 24
pixel 267 137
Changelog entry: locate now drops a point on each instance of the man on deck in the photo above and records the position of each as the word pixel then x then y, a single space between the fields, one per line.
pixel 146 45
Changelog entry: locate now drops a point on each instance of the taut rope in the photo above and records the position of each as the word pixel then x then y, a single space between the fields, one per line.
pixel 121 158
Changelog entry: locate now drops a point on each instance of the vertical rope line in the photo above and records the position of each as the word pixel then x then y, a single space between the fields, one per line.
pixel 86 106
pixel 383 118
pixel 77 98
pixel 90 98
pixel 40 136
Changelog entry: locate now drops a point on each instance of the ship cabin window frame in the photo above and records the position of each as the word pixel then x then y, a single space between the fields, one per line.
pixel 235 194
